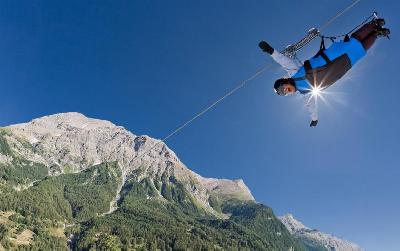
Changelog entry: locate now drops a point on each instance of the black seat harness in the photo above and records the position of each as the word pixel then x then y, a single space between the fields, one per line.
pixel 321 52
pixel 327 74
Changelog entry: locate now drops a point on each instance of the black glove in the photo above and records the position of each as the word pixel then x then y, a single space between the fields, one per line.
pixel 266 47
pixel 314 123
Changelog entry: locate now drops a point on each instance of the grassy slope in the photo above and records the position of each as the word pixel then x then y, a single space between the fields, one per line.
pixel 148 222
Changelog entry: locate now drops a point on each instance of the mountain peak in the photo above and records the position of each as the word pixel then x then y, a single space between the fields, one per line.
pixel 292 224
pixel 229 189
pixel 313 238
pixel 69 119
pixel 72 142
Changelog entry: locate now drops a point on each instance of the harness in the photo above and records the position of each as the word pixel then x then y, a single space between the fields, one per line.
pixel 327 74
pixel 321 52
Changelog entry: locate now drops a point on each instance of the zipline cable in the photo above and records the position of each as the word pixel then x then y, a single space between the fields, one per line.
pixel 339 15
pixel 238 87
pixel 235 89
pixel 188 122
pixel 371 17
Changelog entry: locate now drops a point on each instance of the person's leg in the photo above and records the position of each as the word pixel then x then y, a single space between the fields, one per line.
pixel 364 32
pixel 369 40
pixel 366 35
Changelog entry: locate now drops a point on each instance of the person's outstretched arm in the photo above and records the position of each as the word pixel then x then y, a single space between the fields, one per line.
pixel 311 104
pixel 291 66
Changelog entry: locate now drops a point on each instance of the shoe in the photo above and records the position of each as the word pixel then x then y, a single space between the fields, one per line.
pixel 382 32
pixel 264 46
pixel 378 22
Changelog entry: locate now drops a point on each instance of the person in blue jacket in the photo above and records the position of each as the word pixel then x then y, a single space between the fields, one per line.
pixel 327 66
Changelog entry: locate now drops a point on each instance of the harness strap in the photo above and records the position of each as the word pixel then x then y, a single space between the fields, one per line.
pixel 307 66
pixel 322 45
pixel 321 52
pixel 324 56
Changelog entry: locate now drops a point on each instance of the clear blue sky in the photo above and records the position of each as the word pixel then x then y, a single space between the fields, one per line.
pixel 150 65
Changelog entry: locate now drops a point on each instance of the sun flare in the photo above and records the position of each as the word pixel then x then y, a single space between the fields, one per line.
pixel 316 91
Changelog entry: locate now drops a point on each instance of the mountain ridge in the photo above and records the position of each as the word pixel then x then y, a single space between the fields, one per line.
pixel 314 238
pixel 74 141
pixel 58 155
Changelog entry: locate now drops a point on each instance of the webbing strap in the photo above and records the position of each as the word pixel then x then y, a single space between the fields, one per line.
pixel 324 56
pixel 307 66
pixel 322 45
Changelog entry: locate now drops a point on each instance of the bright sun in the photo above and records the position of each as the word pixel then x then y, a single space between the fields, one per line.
pixel 316 91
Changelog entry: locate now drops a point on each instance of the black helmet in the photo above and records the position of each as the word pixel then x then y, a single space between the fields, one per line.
pixel 278 86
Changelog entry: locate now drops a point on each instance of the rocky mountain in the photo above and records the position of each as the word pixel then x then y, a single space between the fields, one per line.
pixel 72 182
pixel 314 239
pixel 71 142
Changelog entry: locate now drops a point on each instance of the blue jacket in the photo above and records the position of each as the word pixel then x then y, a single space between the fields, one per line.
pixel 341 57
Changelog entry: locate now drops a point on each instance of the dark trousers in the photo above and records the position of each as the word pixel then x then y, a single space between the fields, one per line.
pixel 366 35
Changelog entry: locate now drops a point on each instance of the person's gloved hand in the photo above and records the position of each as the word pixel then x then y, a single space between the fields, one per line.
pixel 314 123
pixel 266 47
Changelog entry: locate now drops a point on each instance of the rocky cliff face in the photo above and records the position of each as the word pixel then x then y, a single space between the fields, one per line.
pixel 313 238
pixel 71 142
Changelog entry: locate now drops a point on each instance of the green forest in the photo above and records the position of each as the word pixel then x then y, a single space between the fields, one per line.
pixel 68 211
